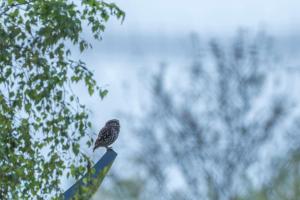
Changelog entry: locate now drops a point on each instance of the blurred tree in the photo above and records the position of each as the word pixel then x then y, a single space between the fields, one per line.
pixel 121 188
pixel 285 185
pixel 206 121
pixel 41 119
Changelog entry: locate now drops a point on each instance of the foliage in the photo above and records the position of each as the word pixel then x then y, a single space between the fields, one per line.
pixel 204 121
pixel 41 119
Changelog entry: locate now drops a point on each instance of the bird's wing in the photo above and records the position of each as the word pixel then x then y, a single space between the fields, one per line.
pixel 103 136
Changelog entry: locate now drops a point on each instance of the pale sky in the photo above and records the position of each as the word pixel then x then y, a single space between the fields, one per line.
pixel 165 19
pixel 213 16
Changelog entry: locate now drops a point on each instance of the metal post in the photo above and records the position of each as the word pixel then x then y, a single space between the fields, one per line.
pixel 85 187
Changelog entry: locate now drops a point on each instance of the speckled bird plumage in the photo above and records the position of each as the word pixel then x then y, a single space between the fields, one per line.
pixel 108 134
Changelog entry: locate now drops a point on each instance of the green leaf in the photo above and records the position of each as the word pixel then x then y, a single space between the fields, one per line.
pixel 91 90
pixel 103 93
pixel 27 107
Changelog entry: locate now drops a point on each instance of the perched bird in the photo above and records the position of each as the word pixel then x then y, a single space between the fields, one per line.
pixel 108 134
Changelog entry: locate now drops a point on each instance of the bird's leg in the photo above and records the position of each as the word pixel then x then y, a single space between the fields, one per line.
pixel 108 148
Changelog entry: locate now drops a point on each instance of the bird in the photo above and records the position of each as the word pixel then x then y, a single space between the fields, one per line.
pixel 108 134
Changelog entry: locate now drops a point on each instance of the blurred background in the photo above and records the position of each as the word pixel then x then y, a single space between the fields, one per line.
pixel 207 93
